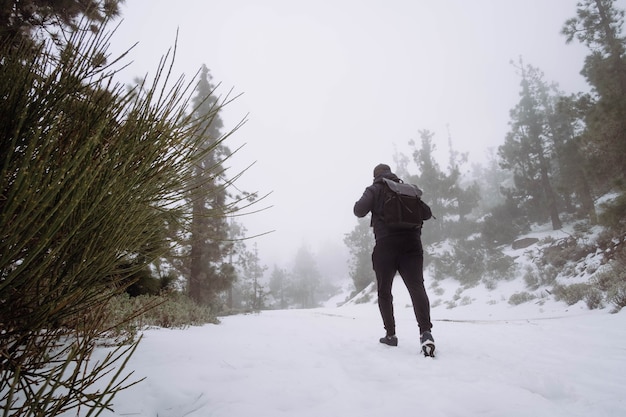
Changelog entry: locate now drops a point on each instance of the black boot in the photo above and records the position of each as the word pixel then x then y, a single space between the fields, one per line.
pixel 389 340
pixel 428 344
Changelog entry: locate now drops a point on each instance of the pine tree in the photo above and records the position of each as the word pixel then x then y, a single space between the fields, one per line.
pixel 599 24
pixel 254 293
pixel 90 176
pixel 490 178
pixel 306 279
pixel 22 21
pixel 442 190
pixel 278 286
pixel 432 181
pixel 572 179
pixel 528 148
pixel 209 273
pixel 360 244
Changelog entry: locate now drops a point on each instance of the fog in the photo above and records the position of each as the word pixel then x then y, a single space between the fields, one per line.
pixel 332 88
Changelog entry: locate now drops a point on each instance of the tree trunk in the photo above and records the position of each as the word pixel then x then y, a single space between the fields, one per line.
pixel 197 274
pixel 550 194
pixel 586 199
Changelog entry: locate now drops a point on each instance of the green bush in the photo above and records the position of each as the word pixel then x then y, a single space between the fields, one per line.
pixel 594 299
pixel 470 261
pixel 617 295
pixel 571 294
pixel 613 213
pixel 531 278
pixel 565 250
pixel 503 224
pixel 521 297
pixel 91 176
pixel 127 315
pixel 547 275
pixel 612 281
pixel 540 276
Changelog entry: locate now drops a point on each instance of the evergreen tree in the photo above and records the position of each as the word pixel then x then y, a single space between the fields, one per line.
pixel 504 222
pixel 466 196
pixel 306 279
pixel 278 286
pixel 233 297
pixel 433 183
pixel 490 179
pixel 599 24
pixel 29 20
pixel 360 243
pixel 572 179
pixel 528 149
pixel 449 201
pixel 209 273
pixel 254 293
pixel 90 176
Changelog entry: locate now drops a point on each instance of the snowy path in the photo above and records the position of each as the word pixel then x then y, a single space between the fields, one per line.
pixel 328 362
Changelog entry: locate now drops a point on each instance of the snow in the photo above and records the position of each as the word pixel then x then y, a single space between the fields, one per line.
pixel 540 358
pixel 493 359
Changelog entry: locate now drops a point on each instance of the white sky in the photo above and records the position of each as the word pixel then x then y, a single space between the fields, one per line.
pixel 332 88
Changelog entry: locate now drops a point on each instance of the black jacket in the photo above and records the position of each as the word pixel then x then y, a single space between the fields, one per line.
pixel 372 202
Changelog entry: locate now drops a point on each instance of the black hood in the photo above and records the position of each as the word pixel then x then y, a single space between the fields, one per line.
pixel 389 175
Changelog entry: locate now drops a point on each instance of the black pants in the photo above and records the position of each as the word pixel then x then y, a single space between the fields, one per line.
pixel 402 254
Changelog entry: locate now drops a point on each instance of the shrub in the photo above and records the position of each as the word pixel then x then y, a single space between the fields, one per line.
pixel 521 297
pixel 612 280
pixel 169 310
pixel 91 175
pixel 498 265
pixel 365 298
pixel 571 294
pixel 594 299
pixel 465 301
pixel 617 295
pixel 565 250
pixel 531 279
pixel 503 224
pixel 490 283
pixel 437 290
pixel 612 215
pixel 547 275
pixel 470 261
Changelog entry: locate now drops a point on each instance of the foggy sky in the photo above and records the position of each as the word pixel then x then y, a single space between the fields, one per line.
pixel 332 88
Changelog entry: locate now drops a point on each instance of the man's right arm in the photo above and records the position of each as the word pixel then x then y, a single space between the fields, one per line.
pixel 365 203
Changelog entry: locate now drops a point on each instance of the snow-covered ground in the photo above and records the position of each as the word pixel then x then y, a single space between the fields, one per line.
pixel 493 360
pixel 540 358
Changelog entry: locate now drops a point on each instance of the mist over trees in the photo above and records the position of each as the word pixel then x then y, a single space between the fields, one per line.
pixel 561 154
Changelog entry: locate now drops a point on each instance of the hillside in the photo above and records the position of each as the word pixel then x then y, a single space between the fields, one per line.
pixel 552 269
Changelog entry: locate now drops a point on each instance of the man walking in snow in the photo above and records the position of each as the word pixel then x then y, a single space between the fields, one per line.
pixel 396 251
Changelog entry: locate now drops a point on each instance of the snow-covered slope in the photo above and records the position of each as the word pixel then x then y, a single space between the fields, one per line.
pixel 450 294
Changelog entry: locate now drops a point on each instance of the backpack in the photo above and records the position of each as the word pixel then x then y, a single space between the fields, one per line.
pixel 403 207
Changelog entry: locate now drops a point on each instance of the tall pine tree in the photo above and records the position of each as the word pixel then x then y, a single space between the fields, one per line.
pixel 528 149
pixel 209 272
pixel 598 24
